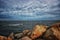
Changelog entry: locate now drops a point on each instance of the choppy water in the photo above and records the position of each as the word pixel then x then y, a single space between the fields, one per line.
pixel 7 27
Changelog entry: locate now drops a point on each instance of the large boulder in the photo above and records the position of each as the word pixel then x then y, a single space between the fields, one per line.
pixel 56 30
pixel 53 32
pixel 38 31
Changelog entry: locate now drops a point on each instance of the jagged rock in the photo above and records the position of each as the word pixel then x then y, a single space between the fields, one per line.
pixel 3 38
pixel 37 31
pixel 53 33
pixel 25 38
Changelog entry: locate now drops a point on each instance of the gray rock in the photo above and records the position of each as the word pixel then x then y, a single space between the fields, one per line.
pixel 19 35
pixel 11 35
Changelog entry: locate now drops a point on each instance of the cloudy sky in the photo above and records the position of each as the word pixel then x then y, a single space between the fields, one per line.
pixel 29 9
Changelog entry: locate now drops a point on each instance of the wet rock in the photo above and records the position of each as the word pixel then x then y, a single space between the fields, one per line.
pixel 38 31
pixel 25 38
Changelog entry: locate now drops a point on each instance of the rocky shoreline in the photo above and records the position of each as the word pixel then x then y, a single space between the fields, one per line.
pixel 39 32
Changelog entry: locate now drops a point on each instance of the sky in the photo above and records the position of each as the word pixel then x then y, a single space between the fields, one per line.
pixel 29 9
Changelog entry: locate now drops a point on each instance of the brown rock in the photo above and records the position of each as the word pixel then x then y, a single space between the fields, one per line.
pixel 56 30
pixel 9 38
pixel 49 35
pixel 3 38
pixel 38 31
pixel 53 33
pixel 25 38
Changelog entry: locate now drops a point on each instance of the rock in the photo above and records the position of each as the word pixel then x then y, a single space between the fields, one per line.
pixel 3 38
pixel 49 35
pixel 56 30
pixel 19 35
pixel 11 35
pixel 53 33
pixel 29 33
pixel 9 38
pixel 25 32
pixel 38 31
pixel 39 39
pixel 25 38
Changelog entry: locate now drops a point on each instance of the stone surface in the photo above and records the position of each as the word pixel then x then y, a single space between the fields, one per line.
pixel 3 38
pixel 25 38
pixel 38 30
pixel 53 33
pixel 11 35
pixel 56 30
pixel 19 35
pixel 26 31
pixel 9 38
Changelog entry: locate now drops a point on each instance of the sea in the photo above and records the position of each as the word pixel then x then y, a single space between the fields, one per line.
pixel 7 27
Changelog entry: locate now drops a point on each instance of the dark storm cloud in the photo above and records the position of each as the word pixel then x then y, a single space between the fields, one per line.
pixel 30 9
